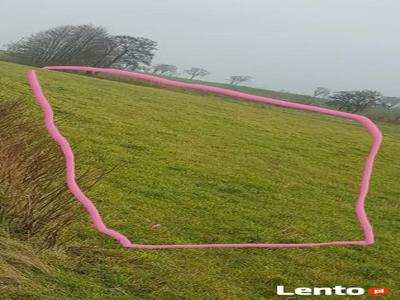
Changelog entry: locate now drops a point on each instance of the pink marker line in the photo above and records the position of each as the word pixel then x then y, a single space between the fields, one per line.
pixel 123 240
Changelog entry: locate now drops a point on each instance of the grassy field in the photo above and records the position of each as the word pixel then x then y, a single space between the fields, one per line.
pixel 197 168
pixel 251 90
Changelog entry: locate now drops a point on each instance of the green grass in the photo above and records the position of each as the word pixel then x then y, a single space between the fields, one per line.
pixel 376 113
pixel 211 169
pixel 306 99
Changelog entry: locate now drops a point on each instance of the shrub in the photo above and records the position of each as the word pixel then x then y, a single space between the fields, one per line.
pixel 35 203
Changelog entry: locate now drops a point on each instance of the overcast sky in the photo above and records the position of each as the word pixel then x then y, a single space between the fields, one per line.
pixel 293 45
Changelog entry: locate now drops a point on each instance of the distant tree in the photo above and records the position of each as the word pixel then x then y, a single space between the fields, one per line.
pixel 82 45
pixel 127 52
pixel 237 79
pixel 322 92
pixel 196 72
pixel 163 69
pixel 355 101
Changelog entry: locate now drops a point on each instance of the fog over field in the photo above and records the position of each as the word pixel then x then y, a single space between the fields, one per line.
pixel 293 45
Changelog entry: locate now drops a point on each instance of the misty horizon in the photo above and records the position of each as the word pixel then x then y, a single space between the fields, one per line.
pixel 294 46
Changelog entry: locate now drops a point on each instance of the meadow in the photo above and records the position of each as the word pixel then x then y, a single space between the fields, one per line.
pixel 190 167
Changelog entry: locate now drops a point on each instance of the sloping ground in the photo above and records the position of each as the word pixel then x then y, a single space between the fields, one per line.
pixel 376 113
pixel 195 168
pixel 255 91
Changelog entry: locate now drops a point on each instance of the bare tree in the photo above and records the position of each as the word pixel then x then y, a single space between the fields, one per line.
pixel 196 72
pixel 127 52
pixel 355 101
pixel 237 79
pixel 163 69
pixel 82 45
pixel 322 92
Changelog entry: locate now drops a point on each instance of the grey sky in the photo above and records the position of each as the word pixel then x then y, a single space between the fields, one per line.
pixel 293 45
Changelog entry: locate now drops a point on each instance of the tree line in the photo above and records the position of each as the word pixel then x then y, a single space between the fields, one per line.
pixel 87 45
pixel 195 72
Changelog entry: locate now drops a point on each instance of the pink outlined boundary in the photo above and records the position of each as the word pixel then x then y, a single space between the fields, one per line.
pixel 123 240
